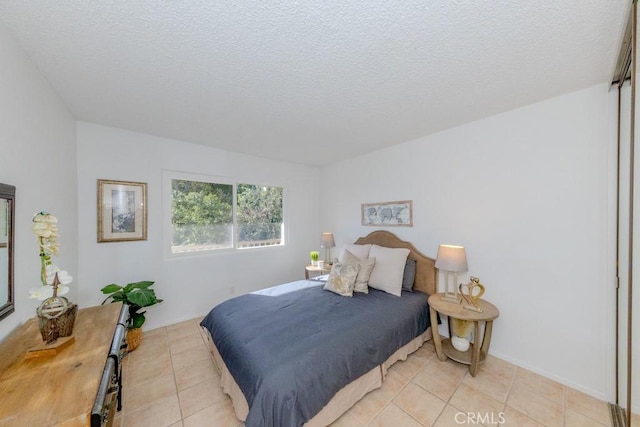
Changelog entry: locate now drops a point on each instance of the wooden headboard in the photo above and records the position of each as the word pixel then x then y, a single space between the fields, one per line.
pixel 426 271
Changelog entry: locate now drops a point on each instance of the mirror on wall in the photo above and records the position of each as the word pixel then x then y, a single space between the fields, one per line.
pixel 7 210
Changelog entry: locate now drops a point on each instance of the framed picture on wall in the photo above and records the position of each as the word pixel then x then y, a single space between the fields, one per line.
pixel 122 211
pixel 390 214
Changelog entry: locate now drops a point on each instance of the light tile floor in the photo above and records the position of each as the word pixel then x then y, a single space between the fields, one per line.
pixel 170 380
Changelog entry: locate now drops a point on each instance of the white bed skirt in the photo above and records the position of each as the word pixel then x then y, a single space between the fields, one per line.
pixel 344 399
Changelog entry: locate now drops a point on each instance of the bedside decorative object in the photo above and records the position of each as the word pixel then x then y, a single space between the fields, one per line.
pixel 474 290
pixel 460 331
pixel 314 255
pixel 327 242
pixel 460 343
pixel 389 214
pixel 136 295
pixel 451 259
pixel 56 315
pixel 479 349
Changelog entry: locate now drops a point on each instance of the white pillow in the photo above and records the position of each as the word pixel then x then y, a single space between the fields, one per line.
pixel 389 269
pixel 361 251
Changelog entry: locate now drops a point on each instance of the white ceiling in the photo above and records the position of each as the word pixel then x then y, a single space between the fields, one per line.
pixel 311 81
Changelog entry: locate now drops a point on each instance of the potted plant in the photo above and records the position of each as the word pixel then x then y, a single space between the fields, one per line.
pixel 314 257
pixel 136 295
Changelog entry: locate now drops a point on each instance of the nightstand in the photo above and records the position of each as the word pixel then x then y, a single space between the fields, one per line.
pixel 478 350
pixel 312 271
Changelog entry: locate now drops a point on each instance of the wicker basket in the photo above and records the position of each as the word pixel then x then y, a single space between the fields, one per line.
pixel 134 338
pixel 57 325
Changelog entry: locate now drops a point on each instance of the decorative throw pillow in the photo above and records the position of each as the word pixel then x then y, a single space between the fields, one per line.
pixel 389 269
pixel 366 266
pixel 361 251
pixel 409 275
pixel 342 279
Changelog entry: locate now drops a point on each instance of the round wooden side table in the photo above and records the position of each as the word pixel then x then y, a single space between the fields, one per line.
pixel 478 350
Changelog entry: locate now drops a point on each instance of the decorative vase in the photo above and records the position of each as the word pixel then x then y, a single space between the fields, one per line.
pixel 460 343
pixel 56 318
pixel 134 338
pixel 460 333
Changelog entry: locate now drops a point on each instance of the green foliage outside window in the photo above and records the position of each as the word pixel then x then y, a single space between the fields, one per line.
pixel 259 214
pixel 202 215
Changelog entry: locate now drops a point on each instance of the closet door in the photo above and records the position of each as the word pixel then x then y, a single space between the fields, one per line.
pixel 624 241
pixel 630 295
pixel 628 232
pixel 628 247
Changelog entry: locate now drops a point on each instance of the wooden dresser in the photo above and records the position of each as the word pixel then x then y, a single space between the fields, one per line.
pixel 63 389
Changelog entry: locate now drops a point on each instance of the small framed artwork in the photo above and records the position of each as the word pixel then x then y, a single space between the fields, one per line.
pixel 122 211
pixel 389 214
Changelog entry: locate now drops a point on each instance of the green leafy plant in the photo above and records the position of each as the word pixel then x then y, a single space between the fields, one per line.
pixel 314 255
pixel 137 295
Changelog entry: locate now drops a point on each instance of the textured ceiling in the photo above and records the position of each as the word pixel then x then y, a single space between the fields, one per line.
pixel 311 81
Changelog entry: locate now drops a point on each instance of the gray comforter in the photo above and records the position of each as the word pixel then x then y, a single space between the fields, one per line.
pixel 291 353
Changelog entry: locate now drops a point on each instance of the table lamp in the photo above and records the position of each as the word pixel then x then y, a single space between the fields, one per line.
pixel 327 242
pixel 451 259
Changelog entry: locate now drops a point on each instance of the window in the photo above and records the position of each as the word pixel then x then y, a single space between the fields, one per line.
pixel 208 216
pixel 259 215
pixel 201 216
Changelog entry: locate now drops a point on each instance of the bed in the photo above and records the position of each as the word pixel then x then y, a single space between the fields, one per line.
pixel 297 355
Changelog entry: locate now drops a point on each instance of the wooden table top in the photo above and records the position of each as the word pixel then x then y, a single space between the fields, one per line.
pixel 457 310
pixel 59 389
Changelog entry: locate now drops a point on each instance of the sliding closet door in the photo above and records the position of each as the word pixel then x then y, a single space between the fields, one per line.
pixel 626 246
pixel 627 399
pixel 624 188
pixel 632 300
pixel 629 303
pixel 629 240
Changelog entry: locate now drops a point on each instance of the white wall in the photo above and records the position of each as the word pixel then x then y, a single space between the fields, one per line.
pixel 526 192
pixel 38 146
pixel 191 285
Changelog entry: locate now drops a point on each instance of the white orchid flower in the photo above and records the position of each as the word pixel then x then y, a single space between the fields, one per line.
pixel 63 276
pixel 50 270
pixel 44 292
pixel 45 217
pixel 50 246
pixel 50 218
pixel 45 229
pixel 39 293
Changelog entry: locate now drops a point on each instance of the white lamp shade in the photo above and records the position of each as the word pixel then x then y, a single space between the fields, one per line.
pixel 327 240
pixel 452 258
